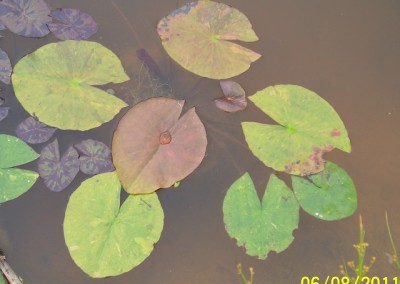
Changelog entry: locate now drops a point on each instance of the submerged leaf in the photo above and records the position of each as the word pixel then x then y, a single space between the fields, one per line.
pixel 308 128
pixel 198 36
pixel 57 172
pixel 55 82
pixel 328 195
pixel 3 112
pixel 261 227
pixel 14 182
pixel 25 17
pixel 33 131
pixel 235 97
pixel 96 159
pixel 153 147
pixel 104 238
pixel 5 67
pixel 73 24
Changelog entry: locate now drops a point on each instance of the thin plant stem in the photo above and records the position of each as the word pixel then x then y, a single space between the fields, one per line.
pixel 395 256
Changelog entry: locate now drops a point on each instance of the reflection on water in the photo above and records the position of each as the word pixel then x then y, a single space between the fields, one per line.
pixel 347 52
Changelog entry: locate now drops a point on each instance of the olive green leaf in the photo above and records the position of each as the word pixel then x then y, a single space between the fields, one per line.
pixel 14 182
pixel 104 238
pixel 261 227
pixel 198 36
pixel 55 84
pixel 308 128
pixel 327 195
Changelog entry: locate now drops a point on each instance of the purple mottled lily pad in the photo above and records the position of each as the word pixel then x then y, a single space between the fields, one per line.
pixel 3 112
pixel 5 67
pixel 96 158
pixel 33 131
pixel 57 172
pixel 235 97
pixel 73 24
pixel 25 17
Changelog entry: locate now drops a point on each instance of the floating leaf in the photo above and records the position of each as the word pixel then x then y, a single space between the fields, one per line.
pixel 14 182
pixel 25 17
pixel 327 195
pixel 153 148
pixel 55 82
pixel 105 239
pixel 5 67
pixel 57 172
pixel 235 97
pixel 97 157
pixel 198 35
pixel 33 131
pixel 3 112
pixel 261 227
pixel 73 24
pixel 308 128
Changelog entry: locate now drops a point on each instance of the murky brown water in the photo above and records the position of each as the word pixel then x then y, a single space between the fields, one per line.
pixel 346 51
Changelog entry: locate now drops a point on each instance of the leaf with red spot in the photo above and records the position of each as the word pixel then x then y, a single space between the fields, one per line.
pixel 58 172
pixel 153 147
pixel 235 97
pixel 308 128
pixel 72 24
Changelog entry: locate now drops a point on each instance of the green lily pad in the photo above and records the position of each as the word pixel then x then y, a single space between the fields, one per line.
pixel 198 36
pixel 328 195
pixel 14 182
pixel 261 227
pixel 104 238
pixel 55 84
pixel 308 128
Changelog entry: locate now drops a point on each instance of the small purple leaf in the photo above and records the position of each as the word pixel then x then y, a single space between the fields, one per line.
pixel 33 131
pixel 5 67
pixel 73 24
pixel 235 97
pixel 25 17
pixel 3 112
pixel 97 157
pixel 58 173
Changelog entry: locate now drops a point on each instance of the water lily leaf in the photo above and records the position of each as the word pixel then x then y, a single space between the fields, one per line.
pixel 14 182
pixel 5 67
pixel 25 17
pixel 327 195
pixel 55 82
pixel 72 24
pixel 308 128
pixel 235 97
pixel 96 159
pixel 33 131
pixel 198 36
pixel 3 112
pixel 261 227
pixel 105 239
pixel 153 148
pixel 57 172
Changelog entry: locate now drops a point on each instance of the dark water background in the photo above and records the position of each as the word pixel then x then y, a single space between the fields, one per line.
pixel 348 51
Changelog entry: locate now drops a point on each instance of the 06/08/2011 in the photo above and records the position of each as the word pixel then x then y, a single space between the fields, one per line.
pixel 348 280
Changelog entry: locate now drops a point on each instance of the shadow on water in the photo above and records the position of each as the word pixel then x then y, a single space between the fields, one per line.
pixel 347 52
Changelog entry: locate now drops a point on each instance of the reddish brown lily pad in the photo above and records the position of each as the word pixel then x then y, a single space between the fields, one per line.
pixel 153 147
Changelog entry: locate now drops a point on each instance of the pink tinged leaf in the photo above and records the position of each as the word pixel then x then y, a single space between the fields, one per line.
pixel 33 131
pixel 25 17
pixel 235 97
pixel 3 112
pixel 154 148
pixel 72 24
pixel 57 172
pixel 96 158
pixel 5 67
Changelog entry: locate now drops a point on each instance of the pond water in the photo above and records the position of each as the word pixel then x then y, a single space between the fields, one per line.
pixel 346 51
